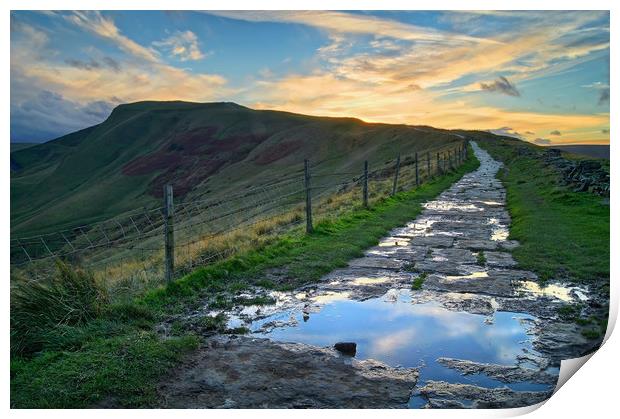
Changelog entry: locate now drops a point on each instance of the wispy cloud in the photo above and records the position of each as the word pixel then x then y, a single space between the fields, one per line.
pixel 92 64
pixel 95 22
pixel 501 85
pixel 183 45
pixel 349 23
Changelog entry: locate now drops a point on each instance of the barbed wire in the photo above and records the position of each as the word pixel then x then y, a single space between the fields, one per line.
pixel 137 235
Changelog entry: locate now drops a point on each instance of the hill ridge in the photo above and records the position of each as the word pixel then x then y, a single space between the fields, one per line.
pixel 213 148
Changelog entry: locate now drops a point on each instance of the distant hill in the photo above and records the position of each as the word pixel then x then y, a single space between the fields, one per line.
pixel 596 151
pixel 213 148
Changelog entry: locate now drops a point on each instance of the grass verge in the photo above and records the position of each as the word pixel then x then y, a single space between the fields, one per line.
pixel 117 359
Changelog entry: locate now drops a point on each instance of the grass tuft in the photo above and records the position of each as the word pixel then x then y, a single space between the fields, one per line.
pixel 419 281
pixel 41 310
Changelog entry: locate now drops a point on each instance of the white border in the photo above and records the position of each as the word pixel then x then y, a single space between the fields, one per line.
pixel 591 394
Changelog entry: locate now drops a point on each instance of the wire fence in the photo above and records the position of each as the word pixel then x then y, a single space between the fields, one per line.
pixel 131 251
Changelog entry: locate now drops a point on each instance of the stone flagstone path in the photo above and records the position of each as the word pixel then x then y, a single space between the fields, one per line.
pixel 459 246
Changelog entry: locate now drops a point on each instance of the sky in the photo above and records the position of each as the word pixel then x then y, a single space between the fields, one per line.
pixel 539 76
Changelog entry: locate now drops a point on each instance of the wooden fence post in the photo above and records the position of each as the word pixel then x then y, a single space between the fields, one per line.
pixel 309 228
pixel 365 185
pixel 169 232
pixel 395 185
pixel 428 165
pixel 438 164
pixel 417 171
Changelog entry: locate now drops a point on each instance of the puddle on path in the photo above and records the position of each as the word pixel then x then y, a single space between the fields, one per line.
pixel 561 292
pixel 395 330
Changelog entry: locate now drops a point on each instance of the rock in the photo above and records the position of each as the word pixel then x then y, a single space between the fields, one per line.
pixel 377 262
pixel 504 373
pixel 500 259
pixel 483 398
pixel 434 241
pixel 346 348
pixel 477 244
pixel 583 175
pixel 228 404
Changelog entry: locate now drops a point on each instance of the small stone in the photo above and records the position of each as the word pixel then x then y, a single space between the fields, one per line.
pixel 346 348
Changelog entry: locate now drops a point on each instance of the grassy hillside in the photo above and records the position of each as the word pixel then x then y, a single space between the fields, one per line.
pixel 211 148
pixel 21 146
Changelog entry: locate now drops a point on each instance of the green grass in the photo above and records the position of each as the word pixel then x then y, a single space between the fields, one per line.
pixel 117 358
pixel 564 235
pixel 119 369
pixel 419 281
pixel 481 259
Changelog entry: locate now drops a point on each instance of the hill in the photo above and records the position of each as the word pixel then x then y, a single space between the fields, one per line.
pixel 20 146
pixel 596 151
pixel 209 149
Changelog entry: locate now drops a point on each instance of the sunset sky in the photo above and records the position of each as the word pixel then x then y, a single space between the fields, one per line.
pixel 542 76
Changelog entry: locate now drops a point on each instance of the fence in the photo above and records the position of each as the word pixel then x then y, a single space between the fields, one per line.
pixel 149 246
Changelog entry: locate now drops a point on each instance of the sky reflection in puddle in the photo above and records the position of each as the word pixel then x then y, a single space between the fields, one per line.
pixel 401 333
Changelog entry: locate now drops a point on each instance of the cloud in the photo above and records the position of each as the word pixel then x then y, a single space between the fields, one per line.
pixel 605 130
pixel 555 132
pixel 507 131
pixel 183 45
pixel 92 64
pixel 96 23
pixel 112 63
pixel 530 133
pixel 501 85
pixel 54 116
pixel 542 141
pixel 603 91
pixel 603 96
pixel 351 23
